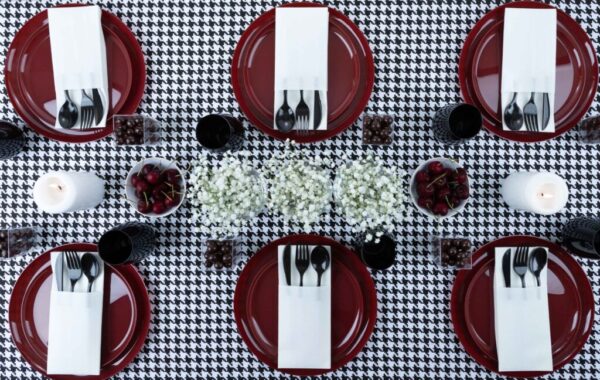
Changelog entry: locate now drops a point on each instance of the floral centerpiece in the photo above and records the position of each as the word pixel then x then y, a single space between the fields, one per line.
pixel 370 196
pixel 227 195
pixel 299 189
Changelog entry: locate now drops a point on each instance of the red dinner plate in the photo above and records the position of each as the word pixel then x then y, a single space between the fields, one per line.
pixel 353 304
pixel 570 300
pixel 351 74
pixel 125 321
pixel 480 69
pixel 30 81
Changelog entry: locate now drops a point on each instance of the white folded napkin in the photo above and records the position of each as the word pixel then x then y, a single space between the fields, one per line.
pixel 78 56
pixel 304 325
pixel 75 327
pixel 301 40
pixel 522 320
pixel 529 59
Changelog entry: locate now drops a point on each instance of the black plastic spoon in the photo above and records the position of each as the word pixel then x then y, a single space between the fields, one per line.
pixel 285 118
pixel 91 268
pixel 513 116
pixel 67 116
pixel 320 260
pixel 537 261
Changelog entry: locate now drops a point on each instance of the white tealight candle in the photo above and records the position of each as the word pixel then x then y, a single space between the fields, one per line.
pixel 540 192
pixel 58 192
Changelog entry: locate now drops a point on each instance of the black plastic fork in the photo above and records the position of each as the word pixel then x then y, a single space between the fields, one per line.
pixel 520 263
pixel 531 115
pixel 302 261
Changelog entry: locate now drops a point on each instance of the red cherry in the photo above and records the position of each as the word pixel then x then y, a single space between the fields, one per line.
pixel 143 206
pixel 171 203
pixel 442 193
pixel 134 179
pixel 147 168
pixel 172 175
pixel 440 208
pixel 425 203
pixel 453 202
pixel 142 186
pixel 436 168
pixel 153 177
pixel 422 177
pixel 462 192
pixel 158 208
pixel 461 176
pixel 424 191
pixel 158 194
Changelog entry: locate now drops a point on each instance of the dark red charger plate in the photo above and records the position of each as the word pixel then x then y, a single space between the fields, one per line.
pixel 570 300
pixel 351 74
pixel 480 69
pixel 125 321
pixel 30 82
pixel 353 304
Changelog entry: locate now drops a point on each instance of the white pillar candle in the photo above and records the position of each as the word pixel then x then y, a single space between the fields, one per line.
pixel 58 192
pixel 540 192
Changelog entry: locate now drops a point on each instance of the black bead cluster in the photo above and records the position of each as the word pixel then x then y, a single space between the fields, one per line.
pixel 219 254
pixel 16 242
pixel 135 130
pixel 455 252
pixel 378 130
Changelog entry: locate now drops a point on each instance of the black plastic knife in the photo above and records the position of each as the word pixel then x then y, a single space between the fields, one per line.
pixel 287 264
pixel 317 109
pixel 98 107
pixel 545 110
pixel 506 268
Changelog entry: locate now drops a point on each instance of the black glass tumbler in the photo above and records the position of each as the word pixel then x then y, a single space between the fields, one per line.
pixel 581 236
pixel 456 123
pixel 589 130
pixel 378 254
pixel 128 243
pixel 219 133
pixel 12 140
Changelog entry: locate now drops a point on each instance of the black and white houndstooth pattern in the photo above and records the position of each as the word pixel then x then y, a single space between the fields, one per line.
pixel 188 46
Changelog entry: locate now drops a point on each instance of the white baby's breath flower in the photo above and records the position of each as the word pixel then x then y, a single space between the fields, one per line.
pixel 369 196
pixel 225 197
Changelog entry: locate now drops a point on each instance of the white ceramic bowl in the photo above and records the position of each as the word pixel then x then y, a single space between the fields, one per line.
pixel 448 163
pixel 162 163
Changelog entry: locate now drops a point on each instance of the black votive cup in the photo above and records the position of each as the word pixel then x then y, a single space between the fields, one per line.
pixel 12 140
pixel 128 243
pixel 581 236
pixel 219 133
pixel 456 123
pixel 378 255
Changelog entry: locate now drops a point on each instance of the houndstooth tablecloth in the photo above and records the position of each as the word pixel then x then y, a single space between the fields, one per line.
pixel 188 47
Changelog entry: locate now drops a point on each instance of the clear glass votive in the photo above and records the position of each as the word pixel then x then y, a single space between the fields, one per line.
pixel 136 130
pixel 16 241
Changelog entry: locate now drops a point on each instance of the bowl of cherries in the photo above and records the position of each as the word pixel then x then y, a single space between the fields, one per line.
pixel 155 187
pixel 440 187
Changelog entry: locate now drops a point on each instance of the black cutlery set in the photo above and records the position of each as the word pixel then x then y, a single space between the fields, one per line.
pixel 514 117
pixel 90 112
pixel 288 120
pixel 318 258
pixel 75 267
pixel 525 259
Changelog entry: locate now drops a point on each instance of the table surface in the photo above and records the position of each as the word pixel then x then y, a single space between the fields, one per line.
pixel 188 47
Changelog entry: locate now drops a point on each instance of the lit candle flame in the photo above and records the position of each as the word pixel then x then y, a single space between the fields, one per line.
pixel 56 186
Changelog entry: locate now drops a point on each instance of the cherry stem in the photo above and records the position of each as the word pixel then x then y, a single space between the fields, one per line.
pixel 437 178
pixel 167 195
pixel 450 204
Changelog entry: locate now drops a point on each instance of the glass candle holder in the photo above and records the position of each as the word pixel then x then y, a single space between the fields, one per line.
pixel 581 236
pixel 127 243
pixel 589 130
pixel 136 130
pixel 16 241
pixel 378 253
